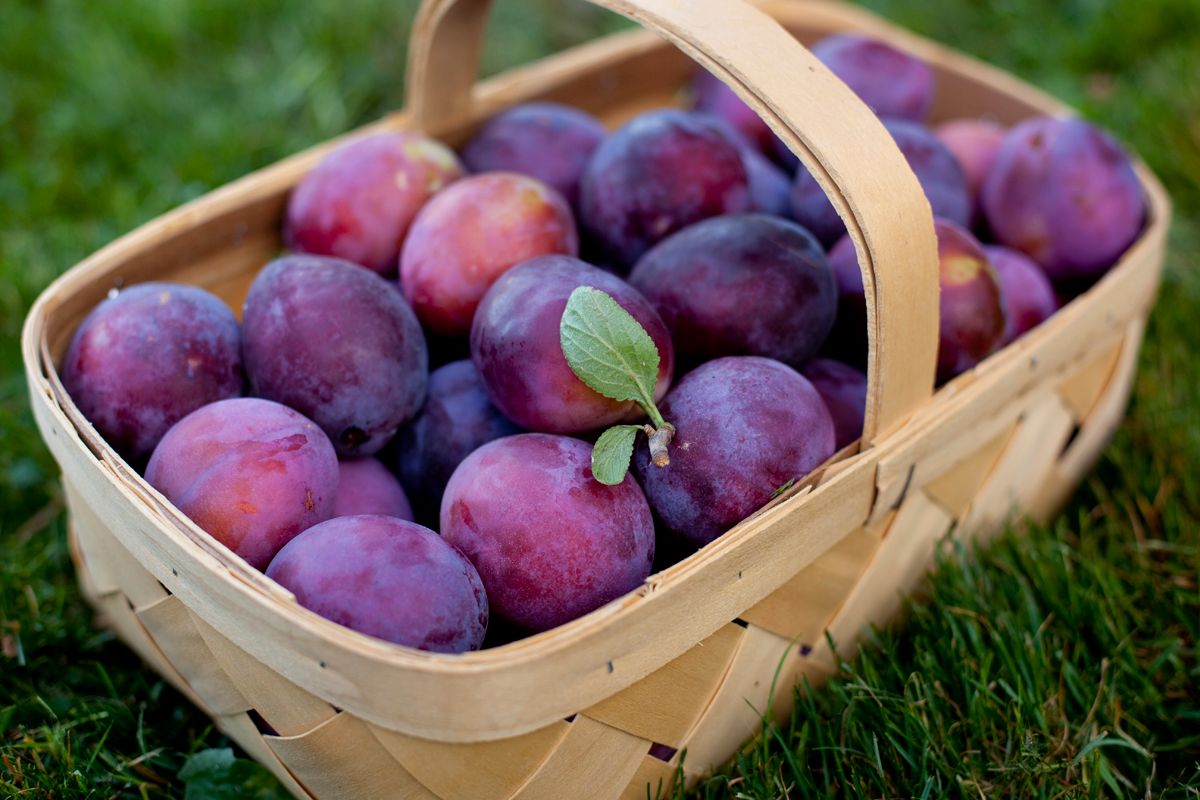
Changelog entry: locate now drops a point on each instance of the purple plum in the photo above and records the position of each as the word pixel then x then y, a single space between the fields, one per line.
pixel 550 542
pixel 458 418
pixel 366 487
pixel 890 81
pixel 658 173
pixel 1064 192
pixel 971 308
pixel 745 426
pixel 1028 296
pixel 516 346
pixel 547 141
pixel 848 341
pixel 388 578
pixel 975 143
pixel 704 279
pixel 147 357
pixel 844 390
pixel 337 344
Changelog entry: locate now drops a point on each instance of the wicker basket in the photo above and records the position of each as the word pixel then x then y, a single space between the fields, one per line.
pixel 691 658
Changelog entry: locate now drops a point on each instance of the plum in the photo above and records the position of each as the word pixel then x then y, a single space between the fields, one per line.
pixel 550 542
pixel 658 173
pixel 892 82
pixel 547 141
pixel 473 232
pixel 359 201
pixel 975 143
pixel 1028 296
pixel 1063 192
pixel 148 356
pixel 252 473
pixel 770 188
pixel 849 340
pixel 844 390
pixel 936 168
pixel 457 419
pixel 971 308
pixel 516 346
pixel 745 284
pixel 366 487
pixel 337 344
pixel 388 578
pixel 711 96
pixel 745 426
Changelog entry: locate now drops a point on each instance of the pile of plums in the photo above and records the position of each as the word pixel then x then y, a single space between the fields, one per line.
pixel 313 439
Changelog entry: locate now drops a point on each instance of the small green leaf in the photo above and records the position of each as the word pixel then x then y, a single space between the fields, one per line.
pixel 607 348
pixel 783 488
pixel 611 453
pixel 216 775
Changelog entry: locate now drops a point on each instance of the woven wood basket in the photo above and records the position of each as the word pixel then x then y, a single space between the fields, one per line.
pixel 691 658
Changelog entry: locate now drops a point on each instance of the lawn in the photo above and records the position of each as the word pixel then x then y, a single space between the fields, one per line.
pixel 1060 663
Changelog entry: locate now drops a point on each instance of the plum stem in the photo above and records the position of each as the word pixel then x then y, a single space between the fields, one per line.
pixel 659 439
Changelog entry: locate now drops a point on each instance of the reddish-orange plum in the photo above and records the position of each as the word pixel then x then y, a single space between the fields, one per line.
pixel 971 307
pixel 470 235
pixel 250 472
pixel 550 542
pixel 359 201
pixel 388 578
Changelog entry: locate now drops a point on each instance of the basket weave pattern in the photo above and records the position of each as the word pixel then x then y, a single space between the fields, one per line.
pixel 336 717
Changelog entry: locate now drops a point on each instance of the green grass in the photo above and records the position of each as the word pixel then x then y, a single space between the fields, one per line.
pixel 1059 664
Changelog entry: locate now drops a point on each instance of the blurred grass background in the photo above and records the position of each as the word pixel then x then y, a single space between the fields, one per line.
pixel 1060 664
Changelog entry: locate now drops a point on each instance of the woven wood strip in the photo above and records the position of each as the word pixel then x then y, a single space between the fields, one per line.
pixel 593 762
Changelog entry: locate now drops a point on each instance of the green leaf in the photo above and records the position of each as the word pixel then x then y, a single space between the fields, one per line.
pixel 781 489
pixel 607 348
pixel 611 453
pixel 216 775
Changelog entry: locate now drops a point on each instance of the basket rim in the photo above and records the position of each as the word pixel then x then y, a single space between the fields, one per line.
pixel 854 471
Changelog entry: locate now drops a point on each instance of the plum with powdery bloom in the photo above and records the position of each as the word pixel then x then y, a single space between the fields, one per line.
pixel 147 357
pixel 547 141
pixel 471 234
pixel 358 202
pixel 550 542
pixel 1028 296
pixel 252 473
pixel 366 487
pixel 336 343
pixel 458 418
pixel 660 172
pixel 975 143
pixel 890 81
pixel 517 347
pixel 703 279
pixel 1064 192
pixel 745 426
pixel 388 578
pixel 844 390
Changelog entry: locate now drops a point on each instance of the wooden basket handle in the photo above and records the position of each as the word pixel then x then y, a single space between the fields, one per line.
pixel 835 135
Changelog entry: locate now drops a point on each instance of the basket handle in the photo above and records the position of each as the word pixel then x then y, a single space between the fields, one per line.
pixel 835 135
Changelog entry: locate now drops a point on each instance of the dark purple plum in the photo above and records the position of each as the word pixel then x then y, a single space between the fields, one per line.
pixel 848 341
pixel 547 141
pixel 388 578
pixel 705 279
pixel 770 188
pixel 458 418
pixel 711 96
pixel 660 172
pixel 473 232
pixel 550 542
pixel 147 357
pixel 745 426
pixel 360 199
pixel 1064 192
pixel 337 344
pixel 366 487
pixel 935 166
pixel 250 472
pixel 892 82
pixel 1028 296
pixel 844 390
pixel 516 346
pixel 971 308
pixel 975 143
